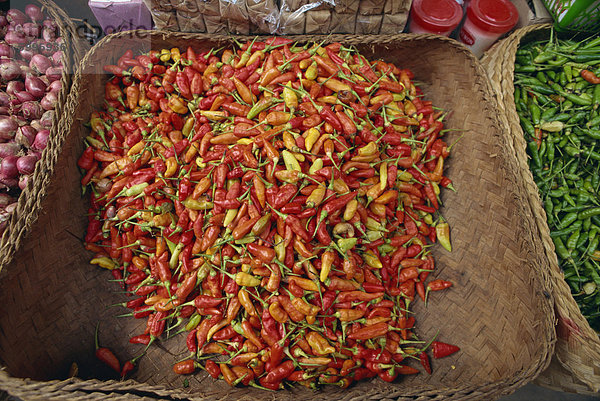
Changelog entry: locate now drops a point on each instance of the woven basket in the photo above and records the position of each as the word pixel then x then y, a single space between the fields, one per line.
pixel 29 201
pixel 499 311
pixel 576 366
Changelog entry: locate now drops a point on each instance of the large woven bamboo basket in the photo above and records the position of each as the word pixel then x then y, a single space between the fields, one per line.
pixel 576 364
pixel 499 311
pixel 30 199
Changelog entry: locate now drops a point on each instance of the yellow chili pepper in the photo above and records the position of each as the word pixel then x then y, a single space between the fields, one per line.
pixel 187 127
pixel 442 231
pixel 312 71
pixel 304 307
pixel 246 301
pixel 289 97
pixel 299 156
pixel 213 115
pixel 289 176
pixel 115 167
pixel 194 204
pixel 162 220
pixel 328 99
pixel 165 55
pixel 326 262
pixel 373 192
pixel 334 84
pixel 257 55
pixel 387 196
pixel 378 209
pixel 315 166
pixel 350 209
pixel 291 163
pixel 289 141
pixel 409 108
pixel 367 150
pixel 383 175
pixel 304 64
pixel 246 280
pixel 310 138
pixel 404 176
pixel 304 283
pixel 316 196
pixel 104 262
pixel 229 216
pixel 279 247
pixel 171 164
pixel 319 344
pixel 372 260
pixel 340 186
pixel 175 54
pixel 135 149
pixel 177 104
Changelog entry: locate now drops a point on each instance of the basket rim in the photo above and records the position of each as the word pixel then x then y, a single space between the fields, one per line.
pixel 481 390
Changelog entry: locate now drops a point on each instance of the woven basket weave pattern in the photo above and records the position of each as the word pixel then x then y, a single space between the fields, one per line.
pixel 576 365
pixel 499 311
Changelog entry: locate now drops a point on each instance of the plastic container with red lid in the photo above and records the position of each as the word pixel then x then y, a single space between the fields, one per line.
pixel 439 17
pixel 486 21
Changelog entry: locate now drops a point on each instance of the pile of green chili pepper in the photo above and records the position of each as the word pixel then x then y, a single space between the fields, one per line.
pixel 557 94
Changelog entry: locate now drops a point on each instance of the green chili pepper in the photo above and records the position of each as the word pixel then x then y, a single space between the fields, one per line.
pixel 573 238
pixel 561 250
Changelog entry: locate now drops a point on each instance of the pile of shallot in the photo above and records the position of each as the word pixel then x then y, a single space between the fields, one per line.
pixel 30 81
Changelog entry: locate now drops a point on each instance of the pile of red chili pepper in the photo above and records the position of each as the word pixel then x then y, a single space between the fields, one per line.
pixel 276 203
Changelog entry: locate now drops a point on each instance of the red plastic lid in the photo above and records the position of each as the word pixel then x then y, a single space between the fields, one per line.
pixel 436 15
pixel 496 16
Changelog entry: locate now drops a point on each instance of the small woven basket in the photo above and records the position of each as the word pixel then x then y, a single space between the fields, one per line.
pixel 499 311
pixel 29 201
pixel 576 364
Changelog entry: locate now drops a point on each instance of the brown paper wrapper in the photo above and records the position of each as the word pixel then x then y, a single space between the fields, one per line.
pixel 165 20
pixel 292 23
pixel 317 21
pixel 393 23
pixel 209 7
pixel 368 24
pixel 215 24
pixel 342 23
pixel 160 6
pixel 233 10
pixel 238 27
pixel 370 7
pixel 262 15
pixel 187 6
pixel 292 5
pixel 190 22
pixel 346 6
pixel 397 6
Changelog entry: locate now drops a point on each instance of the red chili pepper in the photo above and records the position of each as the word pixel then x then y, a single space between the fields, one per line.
pixel 368 332
pixel 590 77
pixel 212 368
pixel 425 362
pixel 280 372
pixel 441 350
pixel 185 367
pixel 106 355
pixel 438 284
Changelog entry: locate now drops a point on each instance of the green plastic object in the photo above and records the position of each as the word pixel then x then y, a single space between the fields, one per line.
pixel 575 15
